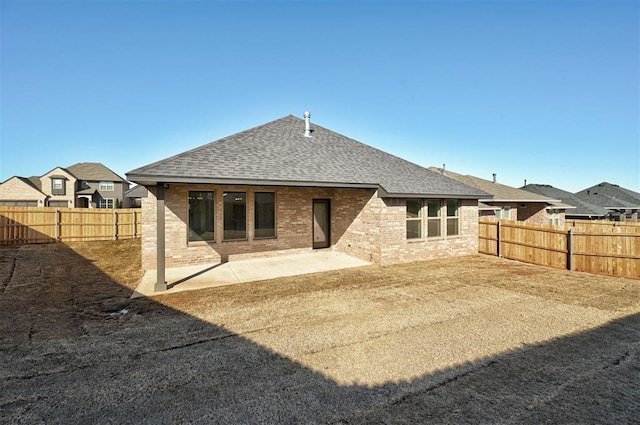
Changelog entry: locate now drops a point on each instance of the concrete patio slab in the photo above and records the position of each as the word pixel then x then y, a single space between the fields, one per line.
pixel 220 274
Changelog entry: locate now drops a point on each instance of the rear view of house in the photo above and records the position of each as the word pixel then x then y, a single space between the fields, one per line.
pixel 286 187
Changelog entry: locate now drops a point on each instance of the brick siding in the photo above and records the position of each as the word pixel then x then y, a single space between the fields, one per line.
pixel 15 189
pixel 362 225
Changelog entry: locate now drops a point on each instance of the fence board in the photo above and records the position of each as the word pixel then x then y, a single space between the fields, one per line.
pixel 45 225
pixel 607 248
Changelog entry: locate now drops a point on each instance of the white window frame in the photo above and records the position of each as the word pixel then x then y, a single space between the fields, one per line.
pixel 104 203
pixel 504 213
pixel 58 186
pixel 107 186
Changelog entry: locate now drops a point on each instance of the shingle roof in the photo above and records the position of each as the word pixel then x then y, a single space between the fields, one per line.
pixel 137 192
pixel 583 208
pixel 93 171
pixel 34 181
pixel 278 153
pixel 610 196
pixel 500 192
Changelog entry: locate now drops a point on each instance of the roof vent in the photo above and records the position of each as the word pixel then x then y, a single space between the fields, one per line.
pixel 307 125
pixel 495 178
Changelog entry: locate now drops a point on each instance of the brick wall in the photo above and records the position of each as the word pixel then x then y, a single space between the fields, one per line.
pixel 15 189
pixel 70 186
pixel 397 249
pixel 294 213
pixel 533 212
pixel 362 225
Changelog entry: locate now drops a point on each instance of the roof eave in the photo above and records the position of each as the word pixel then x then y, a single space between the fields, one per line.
pixel 382 193
pixel 631 207
pixel 537 201
pixel 146 180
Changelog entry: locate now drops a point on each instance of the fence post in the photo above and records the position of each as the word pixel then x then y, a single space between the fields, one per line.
pixel 570 249
pixel 498 253
pixel 115 224
pixel 58 226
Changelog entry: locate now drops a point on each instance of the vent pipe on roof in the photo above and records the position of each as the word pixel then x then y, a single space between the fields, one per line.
pixel 444 166
pixel 495 179
pixel 307 125
pixel 525 182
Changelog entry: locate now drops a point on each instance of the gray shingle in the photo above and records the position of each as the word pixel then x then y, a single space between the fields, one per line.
pixel 583 208
pixel 610 196
pixel 93 171
pixel 500 192
pixel 278 152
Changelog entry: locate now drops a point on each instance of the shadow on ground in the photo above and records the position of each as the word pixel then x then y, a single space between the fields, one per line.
pixel 76 349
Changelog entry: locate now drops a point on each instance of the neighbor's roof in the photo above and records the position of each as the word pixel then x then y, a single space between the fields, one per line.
pixel 582 208
pixel 610 196
pixel 278 153
pixel 500 192
pixel 93 171
pixel 137 192
pixel 34 181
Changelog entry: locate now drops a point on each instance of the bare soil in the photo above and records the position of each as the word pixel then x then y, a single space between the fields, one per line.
pixel 469 340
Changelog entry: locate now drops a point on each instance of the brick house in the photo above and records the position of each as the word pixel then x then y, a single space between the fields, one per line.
pixel 510 203
pixel 82 185
pixel 285 187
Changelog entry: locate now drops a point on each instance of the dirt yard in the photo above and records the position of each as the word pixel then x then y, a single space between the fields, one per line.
pixel 471 340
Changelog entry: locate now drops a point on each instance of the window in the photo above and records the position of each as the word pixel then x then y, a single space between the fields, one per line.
pixel 433 218
pixel 265 214
pixel 58 186
pixel 201 218
pixel 414 218
pixel 504 213
pixel 106 203
pixel 106 186
pixel 452 217
pixel 235 215
pixel 554 217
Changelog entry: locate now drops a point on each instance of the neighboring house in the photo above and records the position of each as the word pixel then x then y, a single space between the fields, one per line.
pixel 510 203
pixel 284 187
pixel 97 186
pixel 133 197
pixel 83 185
pixel 59 184
pixel 583 210
pixel 621 203
pixel 21 191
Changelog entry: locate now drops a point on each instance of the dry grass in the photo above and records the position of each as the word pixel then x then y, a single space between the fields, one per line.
pixel 120 260
pixel 468 340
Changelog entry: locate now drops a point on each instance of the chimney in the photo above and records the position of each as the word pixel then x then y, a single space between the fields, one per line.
pixel 307 125
pixel 495 180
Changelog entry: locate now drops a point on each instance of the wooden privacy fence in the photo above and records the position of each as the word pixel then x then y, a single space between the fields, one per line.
pixel 43 225
pixel 600 248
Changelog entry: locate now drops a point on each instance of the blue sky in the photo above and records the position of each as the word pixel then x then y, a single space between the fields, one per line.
pixel 543 91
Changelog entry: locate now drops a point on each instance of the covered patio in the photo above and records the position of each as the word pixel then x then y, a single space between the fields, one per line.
pixel 202 276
